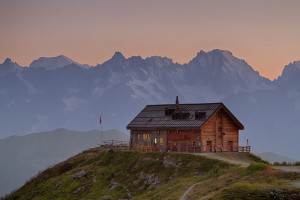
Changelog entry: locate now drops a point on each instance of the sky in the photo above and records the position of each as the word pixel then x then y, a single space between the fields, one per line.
pixel 264 33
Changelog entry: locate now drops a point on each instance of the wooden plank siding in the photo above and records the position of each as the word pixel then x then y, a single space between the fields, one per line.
pixel 221 132
pixel 183 140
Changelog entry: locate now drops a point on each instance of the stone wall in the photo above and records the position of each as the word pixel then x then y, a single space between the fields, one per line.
pixel 149 138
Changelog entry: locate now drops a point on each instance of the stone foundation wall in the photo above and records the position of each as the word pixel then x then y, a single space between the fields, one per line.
pixel 157 138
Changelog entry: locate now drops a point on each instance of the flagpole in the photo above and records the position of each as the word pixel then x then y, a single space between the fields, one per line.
pixel 100 131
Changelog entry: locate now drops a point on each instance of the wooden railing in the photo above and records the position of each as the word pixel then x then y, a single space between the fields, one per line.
pixel 146 148
pixel 115 144
pixel 245 149
pixel 190 147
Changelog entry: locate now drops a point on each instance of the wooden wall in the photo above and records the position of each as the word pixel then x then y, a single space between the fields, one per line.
pixel 219 134
pixel 184 140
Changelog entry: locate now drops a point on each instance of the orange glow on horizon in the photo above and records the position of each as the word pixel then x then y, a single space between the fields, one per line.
pixel 263 33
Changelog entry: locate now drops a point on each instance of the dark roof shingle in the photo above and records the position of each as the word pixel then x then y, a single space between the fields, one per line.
pixel 153 117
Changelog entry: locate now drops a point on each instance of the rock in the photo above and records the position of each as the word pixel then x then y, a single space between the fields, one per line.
pixel 169 162
pixel 89 155
pixel 146 159
pixel 114 185
pixel 79 175
pixel 107 197
pixel 150 179
pixel 78 189
pixel 199 173
pixel 128 193
pixel 296 184
pixel 135 182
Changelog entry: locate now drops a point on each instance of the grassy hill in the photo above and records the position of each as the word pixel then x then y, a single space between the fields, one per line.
pixel 21 157
pixel 95 174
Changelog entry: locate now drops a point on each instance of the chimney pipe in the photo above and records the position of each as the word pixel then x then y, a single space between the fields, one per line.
pixel 177 103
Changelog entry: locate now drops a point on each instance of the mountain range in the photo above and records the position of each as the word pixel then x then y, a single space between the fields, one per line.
pixel 58 92
pixel 274 157
pixel 22 157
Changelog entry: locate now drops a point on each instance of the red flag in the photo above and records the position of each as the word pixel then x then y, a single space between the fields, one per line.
pixel 100 119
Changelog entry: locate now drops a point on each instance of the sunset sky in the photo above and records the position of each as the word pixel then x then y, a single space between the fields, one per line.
pixel 264 33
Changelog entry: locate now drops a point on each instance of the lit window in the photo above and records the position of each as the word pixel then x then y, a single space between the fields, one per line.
pixel 155 140
pixel 149 138
pixel 145 136
pixel 161 140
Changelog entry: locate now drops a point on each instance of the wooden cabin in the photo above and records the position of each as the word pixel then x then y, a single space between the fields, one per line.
pixel 206 127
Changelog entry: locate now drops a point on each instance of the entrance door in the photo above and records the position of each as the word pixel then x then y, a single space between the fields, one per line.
pixel 209 146
pixel 230 145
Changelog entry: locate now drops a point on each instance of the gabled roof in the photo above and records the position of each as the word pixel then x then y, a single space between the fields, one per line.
pixel 153 117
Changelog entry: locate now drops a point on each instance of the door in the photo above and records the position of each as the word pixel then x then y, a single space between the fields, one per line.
pixel 230 146
pixel 209 146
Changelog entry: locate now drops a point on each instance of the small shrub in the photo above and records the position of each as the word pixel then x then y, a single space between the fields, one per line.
pixel 271 179
pixel 214 172
pixel 297 163
pixel 254 167
pixel 276 163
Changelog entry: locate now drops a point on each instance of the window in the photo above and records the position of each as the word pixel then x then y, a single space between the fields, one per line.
pixel 146 137
pixel 155 140
pixel 220 129
pixel 161 140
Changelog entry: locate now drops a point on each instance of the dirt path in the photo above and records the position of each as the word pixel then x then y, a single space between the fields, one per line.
pixel 183 197
pixel 237 158
pixel 288 168
pixel 232 157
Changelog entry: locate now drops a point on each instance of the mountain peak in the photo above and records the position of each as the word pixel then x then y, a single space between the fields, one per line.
pixel 7 61
pixel 290 70
pixel 160 61
pixel 50 63
pixel 118 56
pixel 215 52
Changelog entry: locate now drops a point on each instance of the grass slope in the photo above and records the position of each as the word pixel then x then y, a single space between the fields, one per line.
pixel 154 175
pixel 21 157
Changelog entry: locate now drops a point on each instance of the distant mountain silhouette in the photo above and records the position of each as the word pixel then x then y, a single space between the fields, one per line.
pixel 274 157
pixel 54 62
pixel 71 96
pixel 24 156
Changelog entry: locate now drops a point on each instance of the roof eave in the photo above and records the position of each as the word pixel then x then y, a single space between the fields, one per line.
pixel 164 128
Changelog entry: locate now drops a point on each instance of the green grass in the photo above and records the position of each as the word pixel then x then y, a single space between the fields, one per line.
pixel 256 192
pixel 254 167
pixel 257 158
pixel 140 172
pixel 154 175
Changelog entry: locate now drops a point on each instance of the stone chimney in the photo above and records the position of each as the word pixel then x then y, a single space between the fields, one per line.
pixel 177 103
